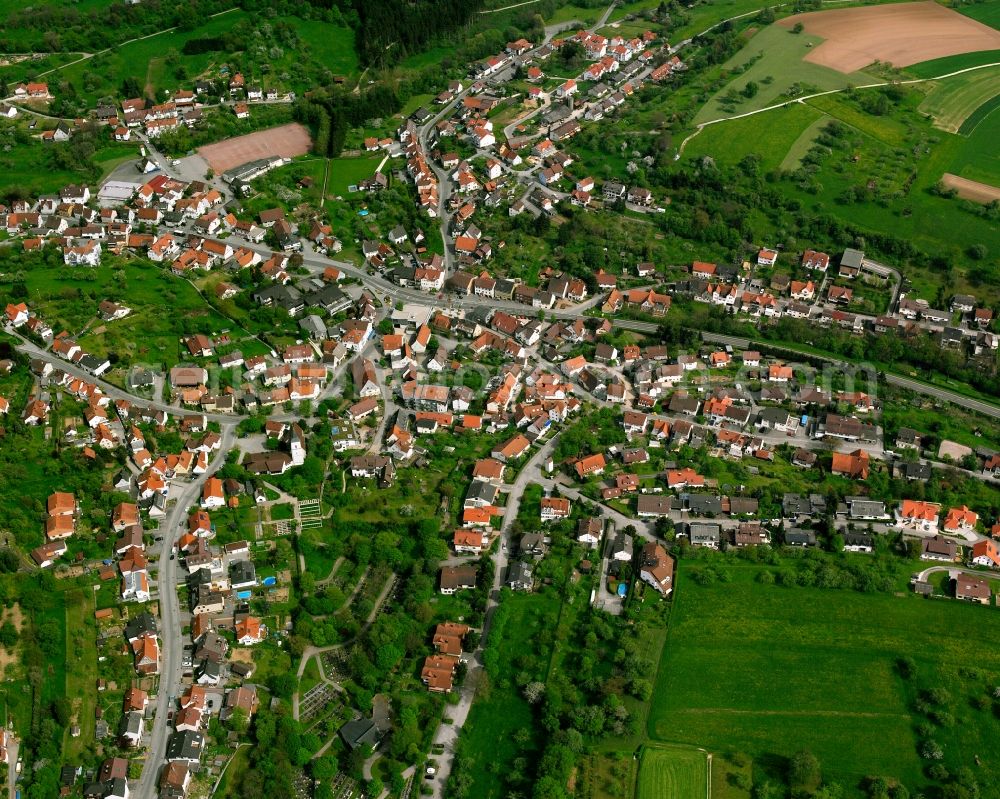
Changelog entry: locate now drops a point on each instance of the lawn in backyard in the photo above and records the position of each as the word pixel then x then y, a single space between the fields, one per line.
pixel 674 771
pixel 346 172
pixel 770 670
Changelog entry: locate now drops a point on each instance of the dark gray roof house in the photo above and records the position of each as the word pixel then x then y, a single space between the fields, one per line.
pixel 532 544
pixel 519 577
pixel 621 547
pixel 358 733
pixel 702 504
pixel 705 535
pixel 186 745
pixel 139 626
pixel 799 537
pixel 795 505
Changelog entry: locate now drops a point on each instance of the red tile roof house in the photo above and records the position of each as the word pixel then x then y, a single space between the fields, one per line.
pixel 470 541
pixel 590 465
pixel 553 508
pixel 986 553
pixel 684 478
pixel 960 520
pixel 438 673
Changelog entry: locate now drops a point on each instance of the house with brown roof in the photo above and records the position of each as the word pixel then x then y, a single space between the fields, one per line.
pixel 438 673
pixel 972 589
pixel 657 568
pixel 457 578
pixel 938 548
pixel 554 508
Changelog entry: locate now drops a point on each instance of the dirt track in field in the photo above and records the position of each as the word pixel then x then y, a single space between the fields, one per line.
pixel 971 189
pixel 900 34
pixel 285 140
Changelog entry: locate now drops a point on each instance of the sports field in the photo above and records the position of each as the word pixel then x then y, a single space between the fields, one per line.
pixel 285 140
pixel 899 34
pixel 953 100
pixel 771 670
pixel 675 772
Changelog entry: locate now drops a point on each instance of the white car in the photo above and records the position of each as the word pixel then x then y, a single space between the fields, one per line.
pixel 175 162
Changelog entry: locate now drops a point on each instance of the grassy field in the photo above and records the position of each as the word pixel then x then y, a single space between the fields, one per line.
pixel 887 130
pixel 102 75
pixel 27 168
pixel 331 45
pixel 772 60
pixel 622 10
pixel 487 738
pixel 952 63
pixel 346 172
pixel 987 13
pixel 770 136
pixel 569 13
pixel 8 7
pixel 708 14
pixel 27 69
pixel 672 771
pixel 955 99
pixel 68 298
pixel 975 156
pixel 81 679
pixel 806 139
pixel 771 670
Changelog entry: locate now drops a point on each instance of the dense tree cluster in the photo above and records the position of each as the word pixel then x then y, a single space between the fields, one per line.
pixel 391 30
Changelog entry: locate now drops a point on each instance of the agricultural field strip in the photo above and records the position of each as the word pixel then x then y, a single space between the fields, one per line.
pixel 951 105
pixel 701 126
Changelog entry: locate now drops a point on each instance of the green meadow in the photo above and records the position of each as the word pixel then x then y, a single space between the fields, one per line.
pixel 772 60
pixel 769 670
pixel 673 771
